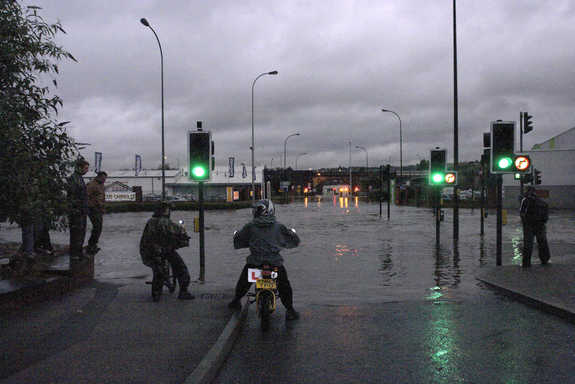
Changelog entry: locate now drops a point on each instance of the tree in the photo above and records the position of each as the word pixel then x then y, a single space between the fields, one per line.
pixel 35 149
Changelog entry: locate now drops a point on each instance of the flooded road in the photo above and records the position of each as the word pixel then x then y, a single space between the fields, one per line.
pixel 348 253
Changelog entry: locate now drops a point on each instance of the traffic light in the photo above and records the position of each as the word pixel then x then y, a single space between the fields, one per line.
pixel 537 176
pixel 199 150
pixel 527 123
pixel 502 146
pixel 437 166
pixel 451 178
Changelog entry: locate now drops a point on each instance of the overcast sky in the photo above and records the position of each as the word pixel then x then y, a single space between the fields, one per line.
pixel 339 63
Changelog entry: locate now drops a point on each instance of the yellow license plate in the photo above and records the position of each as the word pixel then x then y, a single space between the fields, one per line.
pixel 265 284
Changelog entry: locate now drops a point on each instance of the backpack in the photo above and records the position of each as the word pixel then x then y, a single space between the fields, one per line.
pixel 541 210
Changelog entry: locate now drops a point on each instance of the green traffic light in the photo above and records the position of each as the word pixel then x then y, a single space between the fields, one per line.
pixel 198 171
pixel 437 178
pixel 504 163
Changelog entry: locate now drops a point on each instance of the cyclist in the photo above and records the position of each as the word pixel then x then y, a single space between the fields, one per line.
pixel 160 240
pixel 265 237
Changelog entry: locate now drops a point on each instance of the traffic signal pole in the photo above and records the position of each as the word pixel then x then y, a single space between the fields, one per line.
pixel 437 208
pixel 380 188
pixel 499 218
pixel 202 244
pixel 521 146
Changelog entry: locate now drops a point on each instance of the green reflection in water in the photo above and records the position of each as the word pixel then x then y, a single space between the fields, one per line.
pixel 441 342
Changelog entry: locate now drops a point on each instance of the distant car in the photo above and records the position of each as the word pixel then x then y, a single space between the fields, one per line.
pixel 465 194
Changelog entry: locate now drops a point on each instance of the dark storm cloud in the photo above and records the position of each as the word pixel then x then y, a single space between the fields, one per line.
pixel 340 62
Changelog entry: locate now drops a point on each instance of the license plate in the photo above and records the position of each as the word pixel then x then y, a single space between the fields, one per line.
pixel 266 284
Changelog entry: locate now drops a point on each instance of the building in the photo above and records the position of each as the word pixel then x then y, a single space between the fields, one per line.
pixel 555 159
pixel 221 186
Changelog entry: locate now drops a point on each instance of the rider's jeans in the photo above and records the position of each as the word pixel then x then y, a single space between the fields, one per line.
pixel 284 286
pixel 178 267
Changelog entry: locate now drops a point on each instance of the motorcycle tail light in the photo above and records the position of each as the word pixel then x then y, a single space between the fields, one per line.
pixel 266 273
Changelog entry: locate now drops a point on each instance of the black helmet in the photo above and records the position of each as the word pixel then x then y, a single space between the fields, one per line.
pixel 263 208
pixel 163 209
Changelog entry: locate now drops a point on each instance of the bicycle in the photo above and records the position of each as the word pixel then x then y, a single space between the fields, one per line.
pixel 168 280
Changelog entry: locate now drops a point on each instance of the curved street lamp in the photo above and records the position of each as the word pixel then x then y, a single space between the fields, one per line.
pixel 146 24
pixel 400 142
pixel 297 157
pixel 366 155
pixel 285 147
pixel 253 145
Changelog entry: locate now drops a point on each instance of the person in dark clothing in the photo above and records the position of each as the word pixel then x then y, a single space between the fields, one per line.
pixel 265 237
pixel 534 216
pixel 160 239
pixel 96 199
pixel 42 242
pixel 77 209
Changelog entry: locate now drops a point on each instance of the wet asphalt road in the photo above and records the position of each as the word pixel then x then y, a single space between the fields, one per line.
pixel 379 301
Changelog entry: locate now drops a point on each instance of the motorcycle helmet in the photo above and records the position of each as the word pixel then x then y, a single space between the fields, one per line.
pixel 263 208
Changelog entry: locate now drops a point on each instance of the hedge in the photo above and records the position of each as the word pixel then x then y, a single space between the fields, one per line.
pixel 150 206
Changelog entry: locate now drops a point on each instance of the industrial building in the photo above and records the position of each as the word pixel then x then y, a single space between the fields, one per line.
pixel 222 186
pixel 555 159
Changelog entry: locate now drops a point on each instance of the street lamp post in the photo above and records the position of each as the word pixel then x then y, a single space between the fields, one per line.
pixel 285 148
pixel 366 155
pixel 146 24
pixel 253 144
pixel 298 156
pixel 400 142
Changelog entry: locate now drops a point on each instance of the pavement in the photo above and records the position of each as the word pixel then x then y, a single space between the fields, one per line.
pixel 57 329
pixel 547 287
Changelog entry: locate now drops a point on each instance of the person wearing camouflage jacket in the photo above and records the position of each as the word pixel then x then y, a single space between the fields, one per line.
pixel 159 241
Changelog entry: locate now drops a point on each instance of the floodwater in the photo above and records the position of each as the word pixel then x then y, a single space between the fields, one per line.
pixel 348 253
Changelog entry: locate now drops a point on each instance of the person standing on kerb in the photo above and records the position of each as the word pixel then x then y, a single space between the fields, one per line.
pixel 265 237
pixel 96 199
pixel 534 214
pixel 77 209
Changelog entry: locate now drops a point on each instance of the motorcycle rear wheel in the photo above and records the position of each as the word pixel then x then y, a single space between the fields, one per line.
pixel 264 308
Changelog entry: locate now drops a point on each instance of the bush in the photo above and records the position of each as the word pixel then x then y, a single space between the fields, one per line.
pixel 150 206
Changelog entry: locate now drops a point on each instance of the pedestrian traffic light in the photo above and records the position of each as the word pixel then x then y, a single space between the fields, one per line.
pixel 537 176
pixel 502 146
pixel 199 151
pixel 527 123
pixel 451 178
pixel 437 166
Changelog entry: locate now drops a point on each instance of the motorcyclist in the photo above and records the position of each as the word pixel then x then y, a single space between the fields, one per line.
pixel 265 237
pixel 160 239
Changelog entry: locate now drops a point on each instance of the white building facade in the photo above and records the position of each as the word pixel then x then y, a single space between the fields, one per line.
pixel 178 184
pixel 555 158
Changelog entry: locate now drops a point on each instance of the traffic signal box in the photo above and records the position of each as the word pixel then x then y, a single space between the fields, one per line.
pixel 527 123
pixel 437 166
pixel 502 146
pixel 199 151
pixel 438 176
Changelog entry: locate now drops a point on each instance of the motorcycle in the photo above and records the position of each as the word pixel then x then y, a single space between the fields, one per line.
pixel 265 294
